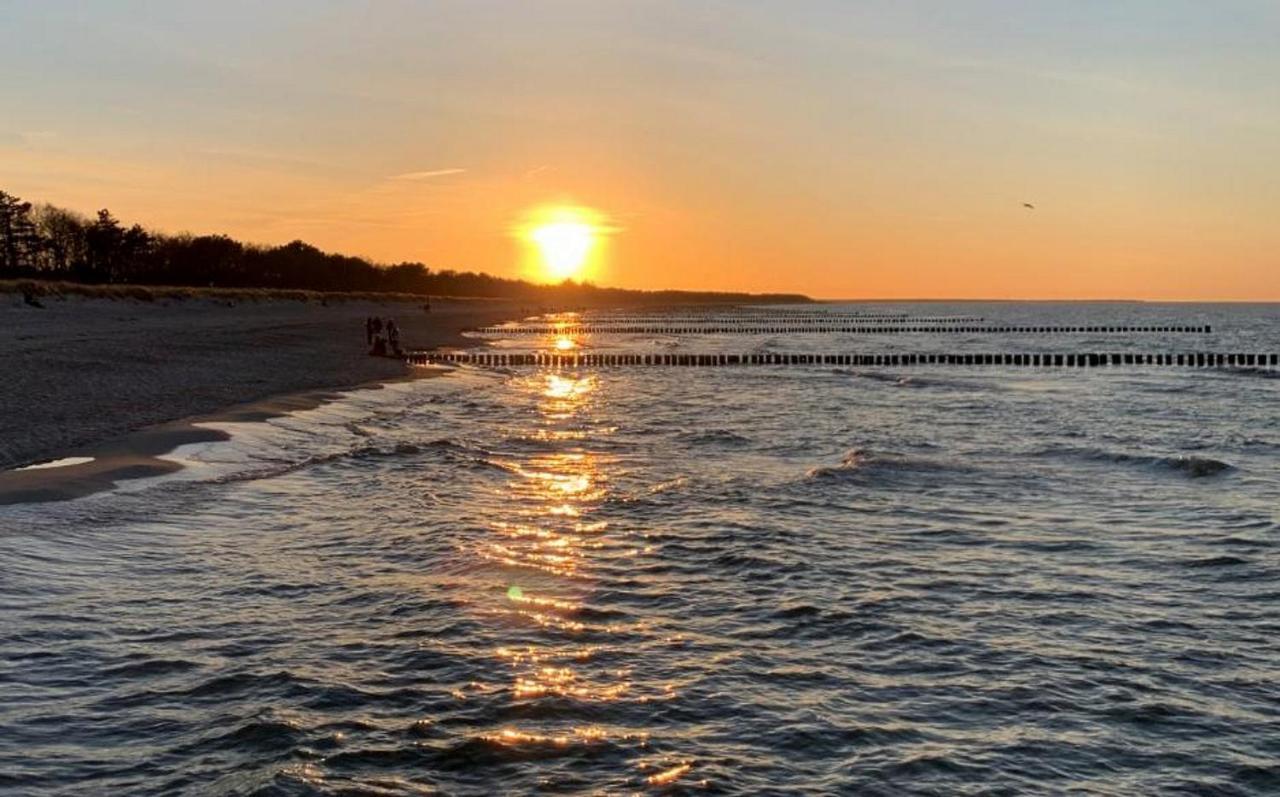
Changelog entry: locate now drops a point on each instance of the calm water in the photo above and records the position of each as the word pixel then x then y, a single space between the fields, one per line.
pixel 725 581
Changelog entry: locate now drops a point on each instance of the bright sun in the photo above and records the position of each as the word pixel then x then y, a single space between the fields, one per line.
pixel 564 246
pixel 562 241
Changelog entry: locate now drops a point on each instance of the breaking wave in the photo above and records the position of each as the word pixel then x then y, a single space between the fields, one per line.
pixel 1191 466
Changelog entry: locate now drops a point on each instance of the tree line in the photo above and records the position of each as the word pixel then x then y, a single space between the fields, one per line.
pixel 47 242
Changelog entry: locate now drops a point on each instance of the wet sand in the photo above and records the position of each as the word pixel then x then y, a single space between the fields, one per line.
pixel 140 454
pixel 121 381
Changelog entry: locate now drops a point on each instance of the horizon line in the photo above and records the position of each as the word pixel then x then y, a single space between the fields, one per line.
pixel 939 300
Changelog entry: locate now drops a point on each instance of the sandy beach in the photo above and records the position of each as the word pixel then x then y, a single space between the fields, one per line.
pixel 81 372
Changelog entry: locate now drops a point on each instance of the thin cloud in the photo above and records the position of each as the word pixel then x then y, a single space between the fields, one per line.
pixel 426 175
pixel 26 139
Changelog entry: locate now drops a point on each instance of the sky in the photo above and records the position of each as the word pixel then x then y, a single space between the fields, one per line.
pixel 841 149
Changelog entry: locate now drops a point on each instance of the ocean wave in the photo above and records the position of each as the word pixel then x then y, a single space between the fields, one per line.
pixel 1258 373
pixel 714 437
pixel 147 668
pixel 449 449
pixel 917 381
pixel 860 465
pixel 508 745
pixel 357 429
pixel 1191 466
pixel 257 737
pixel 1216 561
pixel 623 497
pixel 1258 442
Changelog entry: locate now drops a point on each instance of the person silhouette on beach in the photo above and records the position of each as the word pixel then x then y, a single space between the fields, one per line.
pixel 378 342
pixel 393 336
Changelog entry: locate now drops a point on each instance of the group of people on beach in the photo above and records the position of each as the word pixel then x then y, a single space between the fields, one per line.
pixel 383 337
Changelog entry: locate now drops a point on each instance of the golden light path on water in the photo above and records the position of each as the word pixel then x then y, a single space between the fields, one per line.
pixel 550 550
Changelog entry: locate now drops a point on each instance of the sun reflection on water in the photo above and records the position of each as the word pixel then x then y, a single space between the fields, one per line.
pixel 669 775
pixel 564 388
pixel 549 548
pixel 578 735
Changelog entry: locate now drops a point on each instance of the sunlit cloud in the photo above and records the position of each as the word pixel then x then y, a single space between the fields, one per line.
pixel 428 175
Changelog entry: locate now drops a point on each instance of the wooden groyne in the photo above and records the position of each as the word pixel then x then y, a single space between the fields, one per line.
pixel 854 329
pixel 763 319
pixel 896 359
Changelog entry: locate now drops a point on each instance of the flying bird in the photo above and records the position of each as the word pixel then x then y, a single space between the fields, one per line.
pixel 1028 206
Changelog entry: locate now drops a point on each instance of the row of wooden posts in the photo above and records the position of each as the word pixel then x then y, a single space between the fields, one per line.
pixel 582 329
pixel 1041 360
pixel 769 318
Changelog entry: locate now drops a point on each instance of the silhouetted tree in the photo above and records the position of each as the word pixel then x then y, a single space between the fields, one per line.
pixel 62 239
pixel 213 260
pixel 406 277
pixel 18 240
pixel 135 249
pixel 102 242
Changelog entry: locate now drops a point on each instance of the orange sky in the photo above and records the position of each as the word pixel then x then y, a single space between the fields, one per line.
pixel 835 149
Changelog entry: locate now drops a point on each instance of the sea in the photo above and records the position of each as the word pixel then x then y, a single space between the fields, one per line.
pixel 746 580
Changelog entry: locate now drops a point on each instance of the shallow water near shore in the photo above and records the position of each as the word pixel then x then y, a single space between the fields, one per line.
pixel 720 580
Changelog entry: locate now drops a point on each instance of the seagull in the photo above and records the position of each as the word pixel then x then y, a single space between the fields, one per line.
pixel 1028 206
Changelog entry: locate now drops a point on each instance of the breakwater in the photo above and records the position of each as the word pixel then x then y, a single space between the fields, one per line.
pixel 867 359
pixel 828 328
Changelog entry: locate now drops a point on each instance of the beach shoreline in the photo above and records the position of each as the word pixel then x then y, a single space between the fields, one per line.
pixel 125 382
pixel 142 453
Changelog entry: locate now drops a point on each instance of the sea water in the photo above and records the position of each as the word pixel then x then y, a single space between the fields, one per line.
pixel 753 580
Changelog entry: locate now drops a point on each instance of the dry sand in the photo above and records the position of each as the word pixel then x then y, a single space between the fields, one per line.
pixel 80 373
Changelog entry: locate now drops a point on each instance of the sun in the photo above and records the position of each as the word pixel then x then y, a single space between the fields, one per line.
pixel 564 246
pixel 562 241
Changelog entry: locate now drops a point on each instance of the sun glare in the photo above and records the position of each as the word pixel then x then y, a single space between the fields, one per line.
pixel 564 247
pixel 562 241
